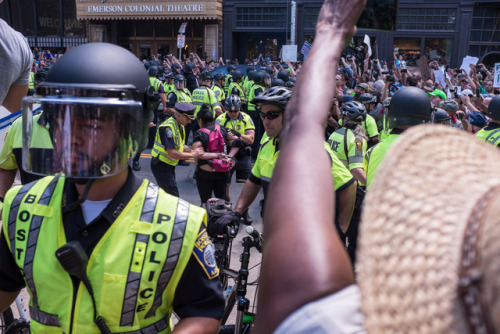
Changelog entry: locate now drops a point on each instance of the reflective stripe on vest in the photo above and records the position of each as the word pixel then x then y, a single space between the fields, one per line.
pixel 134 278
pixel 33 231
pixel 174 249
pixel 44 318
pixel 157 327
pixel 155 83
pixel 159 148
pixel 251 96
pixel 493 140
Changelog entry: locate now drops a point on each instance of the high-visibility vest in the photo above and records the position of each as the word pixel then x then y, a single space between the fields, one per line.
pixel 251 96
pixel 204 95
pixel 178 134
pixel 134 270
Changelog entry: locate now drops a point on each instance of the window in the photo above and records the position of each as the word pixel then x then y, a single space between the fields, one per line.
pixel 311 17
pixel 263 17
pixel 485 30
pixel 442 19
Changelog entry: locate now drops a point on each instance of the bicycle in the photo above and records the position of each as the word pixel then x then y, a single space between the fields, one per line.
pixel 244 318
pixel 11 325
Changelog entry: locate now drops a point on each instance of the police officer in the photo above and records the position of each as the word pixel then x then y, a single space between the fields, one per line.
pixel 273 103
pixel 115 230
pixel 249 82
pixel 409 106
pixel 440 116
pixel 205 95
pixel 229 77
pixel 370 124
pixel 236 88
pixel 257 89
pixel 168 85
pixel 241 125
pixel 170 147
pixel 491 132
pixel 218 89
pixel 179 94
pixel 191 80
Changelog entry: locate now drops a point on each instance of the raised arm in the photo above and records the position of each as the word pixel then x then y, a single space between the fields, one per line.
pixel 299 208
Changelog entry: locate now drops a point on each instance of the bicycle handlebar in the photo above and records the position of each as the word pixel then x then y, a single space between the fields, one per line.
pixel 256 236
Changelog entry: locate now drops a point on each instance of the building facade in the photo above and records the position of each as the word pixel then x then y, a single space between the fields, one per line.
pixel 242 29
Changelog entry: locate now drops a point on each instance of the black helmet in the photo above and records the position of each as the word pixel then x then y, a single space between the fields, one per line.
pixel 91 100
pixel 237 75
pixel 268 70
pixel 494 108
pixel 260 77
pixel 219 76
pixel 188 68
pixel 409 106
pixel 175 66
pixel 231 68
pixel 206 76
pixel 233 103
pixel 290 83
pixel 284 75
pixel 440 116
pixel 354 111
pixel 277 82
pixel 367 98
pixel 179 77
pixel 251 75
pixel 267 80
pixel 274 95
pixel 147 65
pixel 153 71
pixel 169 75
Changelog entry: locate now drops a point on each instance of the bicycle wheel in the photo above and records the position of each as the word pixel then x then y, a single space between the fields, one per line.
pixel 6 318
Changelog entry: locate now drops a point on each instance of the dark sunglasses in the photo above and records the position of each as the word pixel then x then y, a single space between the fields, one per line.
pixel 270 115
pixel 233 111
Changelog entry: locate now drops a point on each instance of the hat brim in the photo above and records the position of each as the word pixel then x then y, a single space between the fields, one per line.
pixel 412 229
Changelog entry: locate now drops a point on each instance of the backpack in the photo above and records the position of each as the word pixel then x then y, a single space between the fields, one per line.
pixel 216 144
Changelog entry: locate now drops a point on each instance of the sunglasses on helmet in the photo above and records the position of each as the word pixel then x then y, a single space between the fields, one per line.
pixel 270 115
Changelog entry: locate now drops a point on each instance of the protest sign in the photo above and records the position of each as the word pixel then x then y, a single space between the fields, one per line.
pixel 496 76
pixel 467 61
pixel 289 53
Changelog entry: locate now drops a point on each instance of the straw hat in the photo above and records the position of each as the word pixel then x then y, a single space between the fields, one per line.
pixel 435 183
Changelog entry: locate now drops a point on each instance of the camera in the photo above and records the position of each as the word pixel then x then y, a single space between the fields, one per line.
pixel 387 72
pixel 390 79
pixel 404 70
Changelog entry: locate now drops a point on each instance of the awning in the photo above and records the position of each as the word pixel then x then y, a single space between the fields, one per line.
pixel 148 10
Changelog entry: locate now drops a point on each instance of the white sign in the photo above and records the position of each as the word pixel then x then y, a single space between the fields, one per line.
pixel 467 61
pixel 496 76
pixel 182 29
pixel 181 41
pixel 367 42
pixel 289 53
pixel 439 76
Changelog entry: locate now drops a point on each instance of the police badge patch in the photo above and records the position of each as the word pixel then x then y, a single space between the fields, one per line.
pixel 170 134
pixel 204 252
pixel 359 144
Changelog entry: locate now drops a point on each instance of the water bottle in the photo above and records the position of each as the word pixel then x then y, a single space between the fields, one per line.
pixel 227 292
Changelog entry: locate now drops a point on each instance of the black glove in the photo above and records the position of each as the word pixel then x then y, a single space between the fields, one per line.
pixel 236 133
pixel 219 226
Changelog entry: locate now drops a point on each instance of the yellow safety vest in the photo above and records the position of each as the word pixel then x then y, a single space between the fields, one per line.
pixel 375 155
pixel 31 84
pixel 251 96
pixel 155 83
pixel 168 88
pixel 491 135
pixel 134 269
pixel 233 84
pixel 219 93
pixel 243 122
pixel 178 135
pixel 204 95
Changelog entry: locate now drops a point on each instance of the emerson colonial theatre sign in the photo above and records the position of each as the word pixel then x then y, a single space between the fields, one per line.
pixel 144 8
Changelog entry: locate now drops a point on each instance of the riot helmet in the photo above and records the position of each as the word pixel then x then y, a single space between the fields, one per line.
pixel 277 82
pixel 251 75
pixel 233 103
pixel 267 80
pixel 188 68
pixel 354 111
pixel 206 76
pixel 179 80
pixel 440 116
pixel 219 76
pixel 153 71
pixel 284 75
pixel 169 75
pixel 494 108
pixel 95 113
pixel 409 106
pixel 367 98
pixel 260 77
pixel 237 75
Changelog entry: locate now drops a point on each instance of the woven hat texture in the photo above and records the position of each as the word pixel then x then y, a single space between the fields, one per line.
pixel 413 226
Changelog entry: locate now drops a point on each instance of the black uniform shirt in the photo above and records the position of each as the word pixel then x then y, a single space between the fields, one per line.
pixel 196 294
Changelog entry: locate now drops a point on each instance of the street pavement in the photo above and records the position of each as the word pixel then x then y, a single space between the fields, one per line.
pixel 189 192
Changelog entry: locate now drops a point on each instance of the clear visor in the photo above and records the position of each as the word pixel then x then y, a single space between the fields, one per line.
pixel 84 138
pixel 178 84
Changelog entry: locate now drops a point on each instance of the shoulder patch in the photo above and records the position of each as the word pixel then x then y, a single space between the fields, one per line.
pixel 251 122
pixel 204 251
pixel 359 144
pixel 170 134
pixel 218 121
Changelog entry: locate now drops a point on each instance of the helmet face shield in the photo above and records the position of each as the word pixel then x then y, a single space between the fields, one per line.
pixel 90 137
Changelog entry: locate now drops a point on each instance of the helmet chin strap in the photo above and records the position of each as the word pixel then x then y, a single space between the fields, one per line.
pixel 88 183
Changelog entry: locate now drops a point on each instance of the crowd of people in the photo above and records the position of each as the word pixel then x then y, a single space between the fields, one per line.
pixel 351 175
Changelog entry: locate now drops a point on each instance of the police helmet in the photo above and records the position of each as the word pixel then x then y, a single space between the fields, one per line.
pixel 354 111
pixel 251 75
pixel 268 70
pixel 440 116
pixel 267 79
pixel 260 77
pixel 96 113
pixel 153 71
pixel 409 106
pixel 277 82
pixel 175 66
pixel 169 75
pixel 284 75
pixel 179 77
pixel 206 76
pixel 237 75
pixel 494 108
pixel 188 68
pixel 275 95
pixel 147 65
pixel 231 68
pixel 233 103
pixel 219 76
pixel 367 98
